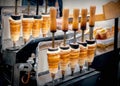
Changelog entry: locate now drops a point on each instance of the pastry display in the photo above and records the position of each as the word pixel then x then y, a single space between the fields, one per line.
pixel 103 33
pixel 70 46
pixel 104 37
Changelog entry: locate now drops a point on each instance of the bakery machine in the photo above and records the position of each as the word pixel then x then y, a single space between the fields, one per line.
pixel 25 67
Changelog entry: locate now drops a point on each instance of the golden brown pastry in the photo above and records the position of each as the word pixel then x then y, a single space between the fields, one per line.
pixel 64 58
pixel 36 27
pixel 83 55
pixel 45 25
pixel 53 60
pixel 27 24
pixel 74 55
pixel 91 52
pixel 104 33
pixel 101 34
pixel 15 26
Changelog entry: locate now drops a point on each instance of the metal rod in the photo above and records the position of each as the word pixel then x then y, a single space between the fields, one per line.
pixel 28 7
pixel 37 8
pixel 53 77
pixel 14 44
pixel 72 71
pixel 116 34
pixel 63 74
pixel 81 67
pixel 91 33
pixel 74 36
pixel 82 36
pixel 53 81
pixel 64 38
pixel 16 7
pixel 25 41
pixel 46 3
pixel 89 63
pixel 53 40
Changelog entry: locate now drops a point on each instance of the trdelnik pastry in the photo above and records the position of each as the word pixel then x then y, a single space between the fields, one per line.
pixel 15 26
pixel 74 55
pixel 27 25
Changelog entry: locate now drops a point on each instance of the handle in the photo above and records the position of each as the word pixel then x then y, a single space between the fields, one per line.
pixel 83 19
pixel 16 7
pixel 28 7
pixel 46 6
pixel 53 23
pixel 65 19
pixel 75 19
pixel 92 15
pixel 27 80
pixel 37 8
